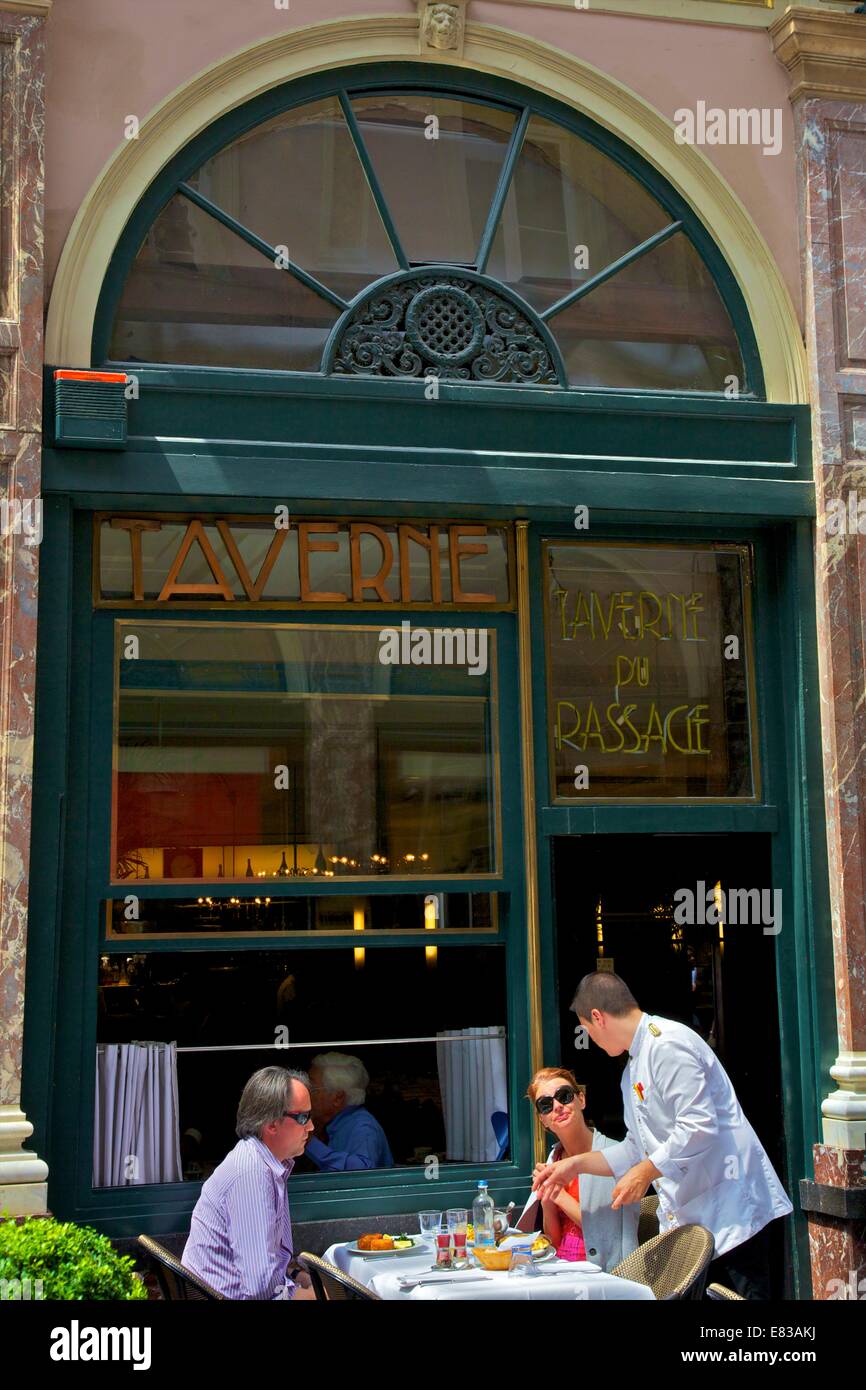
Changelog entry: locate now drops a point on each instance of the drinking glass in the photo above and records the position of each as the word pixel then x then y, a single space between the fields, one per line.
pixel 521 1261
pixel 430 1223
pixel 457 1219
pixel 444 1250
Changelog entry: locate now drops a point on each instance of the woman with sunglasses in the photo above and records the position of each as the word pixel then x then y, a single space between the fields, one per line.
pixel 580 1222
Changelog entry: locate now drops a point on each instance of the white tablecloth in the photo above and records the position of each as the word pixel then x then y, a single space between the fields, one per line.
pixel 579 1281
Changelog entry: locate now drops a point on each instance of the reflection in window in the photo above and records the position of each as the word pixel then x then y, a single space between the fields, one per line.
pixel 252 261
pixel 263 914
pixel 251 751
pixel 200 294
pixel 188 1030
pixel 333 230
pixel 566 195
pixel 438 160
pixel 658 324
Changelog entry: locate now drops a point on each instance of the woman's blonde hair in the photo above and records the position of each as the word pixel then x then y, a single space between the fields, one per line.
pixel 550 1074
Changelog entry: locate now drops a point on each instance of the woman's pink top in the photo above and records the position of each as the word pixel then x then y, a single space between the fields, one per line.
pixel 571 1243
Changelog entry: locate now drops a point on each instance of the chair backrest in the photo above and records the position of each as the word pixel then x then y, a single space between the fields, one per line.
pixel 330 1283
pixel 499 1121
pixel 673 1265
pixel 648 1221
pixel 720 1294
pixel 175 1282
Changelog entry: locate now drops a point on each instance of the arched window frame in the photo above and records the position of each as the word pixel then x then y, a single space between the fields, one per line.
pixel 366 79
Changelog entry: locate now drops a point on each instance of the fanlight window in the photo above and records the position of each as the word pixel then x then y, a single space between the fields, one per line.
pixel 409 233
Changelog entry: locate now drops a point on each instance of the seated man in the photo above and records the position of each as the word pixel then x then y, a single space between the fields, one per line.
pixel 240 1240
pixel 338 1089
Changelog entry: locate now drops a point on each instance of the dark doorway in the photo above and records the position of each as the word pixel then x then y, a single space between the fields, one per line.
pixel 614 903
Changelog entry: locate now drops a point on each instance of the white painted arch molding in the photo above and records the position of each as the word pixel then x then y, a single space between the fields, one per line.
pixel 382 38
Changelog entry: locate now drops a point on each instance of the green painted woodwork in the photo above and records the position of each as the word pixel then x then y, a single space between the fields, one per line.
pixel 506 174
pixel 791 809
pixel 480 294
pixel 72 808
pixel 372 180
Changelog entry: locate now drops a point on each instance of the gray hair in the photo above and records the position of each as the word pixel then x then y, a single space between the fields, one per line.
pixel 339 1072
pixel 266 1097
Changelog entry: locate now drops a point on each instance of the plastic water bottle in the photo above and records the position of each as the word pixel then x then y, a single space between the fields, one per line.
pixel 482 1218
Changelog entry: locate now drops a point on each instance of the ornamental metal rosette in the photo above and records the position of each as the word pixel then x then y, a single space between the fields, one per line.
pixel 445 322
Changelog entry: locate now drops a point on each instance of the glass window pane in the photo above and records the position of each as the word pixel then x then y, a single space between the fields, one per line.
pixel 438 161
pixel 570 211
pixel 298 183
pixel 255 751
pixel 409 1016
pixel 646 691
pixel 263 915
pixel 659 324
pixel 199 294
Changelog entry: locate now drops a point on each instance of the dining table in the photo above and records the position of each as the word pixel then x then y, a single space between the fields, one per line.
pixel 411 1275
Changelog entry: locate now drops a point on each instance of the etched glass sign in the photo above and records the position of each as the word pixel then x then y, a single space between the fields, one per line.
pixel 649 672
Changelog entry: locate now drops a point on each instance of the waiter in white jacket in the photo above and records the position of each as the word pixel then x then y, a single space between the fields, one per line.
pixel 686 1134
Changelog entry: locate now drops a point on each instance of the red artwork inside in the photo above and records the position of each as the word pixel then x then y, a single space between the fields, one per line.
pixel 181 811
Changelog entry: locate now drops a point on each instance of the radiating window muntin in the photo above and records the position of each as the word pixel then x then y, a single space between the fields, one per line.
pixel 565 218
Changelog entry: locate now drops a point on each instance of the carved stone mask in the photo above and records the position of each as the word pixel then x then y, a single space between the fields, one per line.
pixel 444 24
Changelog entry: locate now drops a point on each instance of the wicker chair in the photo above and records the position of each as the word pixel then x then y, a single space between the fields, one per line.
pixel 329 1282
pixel 673 1265
pixel 648 1221
pixel 175 1282
pixel 720 1294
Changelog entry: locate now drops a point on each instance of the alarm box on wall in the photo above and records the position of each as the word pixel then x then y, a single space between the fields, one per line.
pixel 90 409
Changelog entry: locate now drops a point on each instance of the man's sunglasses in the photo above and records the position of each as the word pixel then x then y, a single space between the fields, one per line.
pixel 300 1117
pixel 565 1095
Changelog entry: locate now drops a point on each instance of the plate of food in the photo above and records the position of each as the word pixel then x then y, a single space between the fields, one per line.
pixel 375 1244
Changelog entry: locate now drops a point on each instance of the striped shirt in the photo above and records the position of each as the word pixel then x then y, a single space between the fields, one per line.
pixel 240 1238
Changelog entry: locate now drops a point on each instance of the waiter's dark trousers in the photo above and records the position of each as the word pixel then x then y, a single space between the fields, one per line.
pixel 746 1268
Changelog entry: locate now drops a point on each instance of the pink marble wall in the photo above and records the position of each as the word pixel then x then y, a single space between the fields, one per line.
pixel 838 1248
pixel 22 56
pixel 832 138
pixel 833 144
pixel 109 61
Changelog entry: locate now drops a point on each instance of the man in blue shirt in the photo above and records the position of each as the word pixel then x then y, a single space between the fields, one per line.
pixel 240 1239
pixel 355 1139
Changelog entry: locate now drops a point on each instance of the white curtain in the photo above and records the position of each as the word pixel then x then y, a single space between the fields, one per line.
pixel 473 1085
pixel 136 1137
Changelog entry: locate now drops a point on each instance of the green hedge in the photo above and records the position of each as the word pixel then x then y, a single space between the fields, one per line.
pixel 62 1261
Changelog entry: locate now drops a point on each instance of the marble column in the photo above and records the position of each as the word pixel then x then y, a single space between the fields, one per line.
pixel 22 1173
pixel 825 55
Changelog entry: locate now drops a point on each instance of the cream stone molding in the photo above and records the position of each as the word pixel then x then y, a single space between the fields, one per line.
pixel 441 27
pixel 845 1110
pixel 824 53
pixel 381 38
pixel 23 1190
pixel 736 14
pixel 36 7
